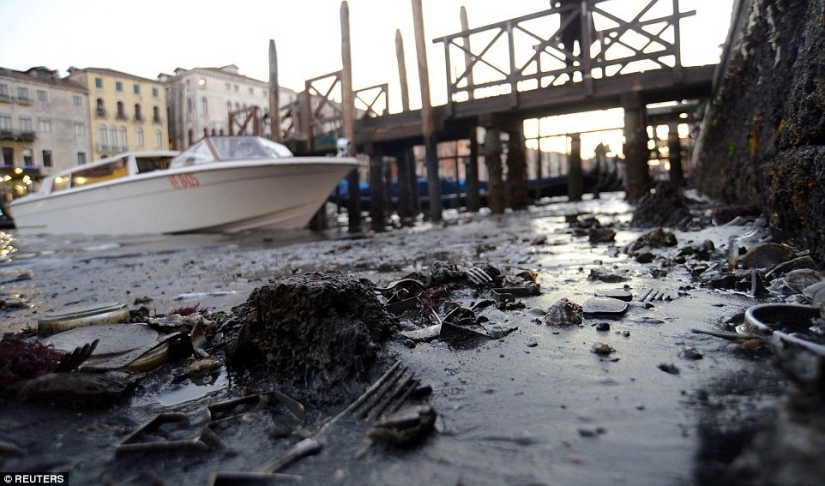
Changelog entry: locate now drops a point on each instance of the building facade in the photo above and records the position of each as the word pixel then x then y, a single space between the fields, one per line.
pixel 126 112
pixel 43 125
pixel 200 102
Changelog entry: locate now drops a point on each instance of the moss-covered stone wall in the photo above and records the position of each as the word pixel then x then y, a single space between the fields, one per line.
pixel 764 135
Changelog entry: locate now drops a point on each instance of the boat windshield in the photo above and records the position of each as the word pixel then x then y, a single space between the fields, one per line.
pixel 231 148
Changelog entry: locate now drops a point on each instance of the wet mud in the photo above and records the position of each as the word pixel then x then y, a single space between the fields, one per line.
pixel 652 387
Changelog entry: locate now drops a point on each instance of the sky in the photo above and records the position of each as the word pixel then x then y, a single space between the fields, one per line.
pixel 150 37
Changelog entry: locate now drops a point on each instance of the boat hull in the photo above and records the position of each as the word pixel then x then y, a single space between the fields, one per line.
pixel 220 197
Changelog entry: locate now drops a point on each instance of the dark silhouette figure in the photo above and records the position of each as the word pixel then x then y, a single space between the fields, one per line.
pixel 570 33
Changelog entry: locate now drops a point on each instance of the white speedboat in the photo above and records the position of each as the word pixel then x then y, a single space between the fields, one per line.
pixel 220 184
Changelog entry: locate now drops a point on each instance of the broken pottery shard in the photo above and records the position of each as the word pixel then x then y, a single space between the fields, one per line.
pixel 564 313
pixel 767 255
pixel 604 306
pixel 113 338
pixel 83 316
pixel 800 279
pixel 454 333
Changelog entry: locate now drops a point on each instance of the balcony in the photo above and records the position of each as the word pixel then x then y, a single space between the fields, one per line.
pixel 121 116
pixel 157 119
pixel 101 112
pixel 139 118
pixel 17 135
pixel 6 98
pixel 23 101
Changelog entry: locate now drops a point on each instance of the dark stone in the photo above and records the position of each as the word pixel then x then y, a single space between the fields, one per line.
pixel 319 332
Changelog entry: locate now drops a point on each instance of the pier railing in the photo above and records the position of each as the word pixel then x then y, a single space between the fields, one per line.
pixel 536 51
pixel 317 114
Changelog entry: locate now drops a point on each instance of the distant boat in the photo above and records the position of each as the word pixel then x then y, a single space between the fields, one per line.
pixel 454 194
pixel 220 184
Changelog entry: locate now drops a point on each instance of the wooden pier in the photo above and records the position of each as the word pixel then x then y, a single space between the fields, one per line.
pixel 594 55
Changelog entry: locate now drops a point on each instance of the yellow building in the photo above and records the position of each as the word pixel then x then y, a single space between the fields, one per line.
pixel 127 112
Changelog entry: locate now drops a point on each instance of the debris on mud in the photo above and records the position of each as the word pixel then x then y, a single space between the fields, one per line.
pixel 663 207
pixel 319 332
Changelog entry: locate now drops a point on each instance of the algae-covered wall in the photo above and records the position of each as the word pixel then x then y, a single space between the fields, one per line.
pixel 764 135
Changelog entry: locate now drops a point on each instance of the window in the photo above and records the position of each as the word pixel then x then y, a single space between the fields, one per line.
pixel 189 105
pixel 47 158
pixel 81 158
pixel 26 124
pixel 42 96
pixel 8 156
pixel 23 95
pixel 138 113
pixel 5 122
pixel 139 137
pixel 119 86
pixel 156 114
pixel 100 173
pixel 236 88
pixel 77 100
pixel 79 129
pixel 101 108
pixel 158 139
pixel 121 112
pixel 113 137
pixel 228 86
pixel 4 91
pixel 136 89
pixel 103 136
pixel 28 158
pixel 121 138
pixel 251 91
pixel 155 93
pixel 204 106
pixel 99 83
pixel 44 126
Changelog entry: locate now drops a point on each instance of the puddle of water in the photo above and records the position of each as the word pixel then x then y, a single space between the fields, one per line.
pixel 190 390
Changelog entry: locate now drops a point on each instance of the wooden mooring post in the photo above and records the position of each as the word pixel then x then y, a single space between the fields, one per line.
pixel 674 149
pixel 427 121
pixel 635 149
pixel 274 95
pixel 575 181
pixel 495 172
pixel 348 109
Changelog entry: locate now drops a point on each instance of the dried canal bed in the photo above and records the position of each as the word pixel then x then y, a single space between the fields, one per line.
pixel 630 398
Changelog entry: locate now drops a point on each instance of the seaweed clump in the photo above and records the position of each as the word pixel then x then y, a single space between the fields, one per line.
pixel 317 332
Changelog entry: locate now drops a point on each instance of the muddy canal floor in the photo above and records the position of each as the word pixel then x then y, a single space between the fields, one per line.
pixel 535 405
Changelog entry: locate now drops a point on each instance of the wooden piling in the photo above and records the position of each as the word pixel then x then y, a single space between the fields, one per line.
pixel 274 95
pixel 378 213
pixel 427 121
pixel 348 109
pixel 674 147
pixel 471 171
pixel 517 197
pixel 402 71
pixel 495 172
pixel 635 149
pixel 575 181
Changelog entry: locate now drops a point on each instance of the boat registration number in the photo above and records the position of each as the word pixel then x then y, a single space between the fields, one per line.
pixel 182 181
